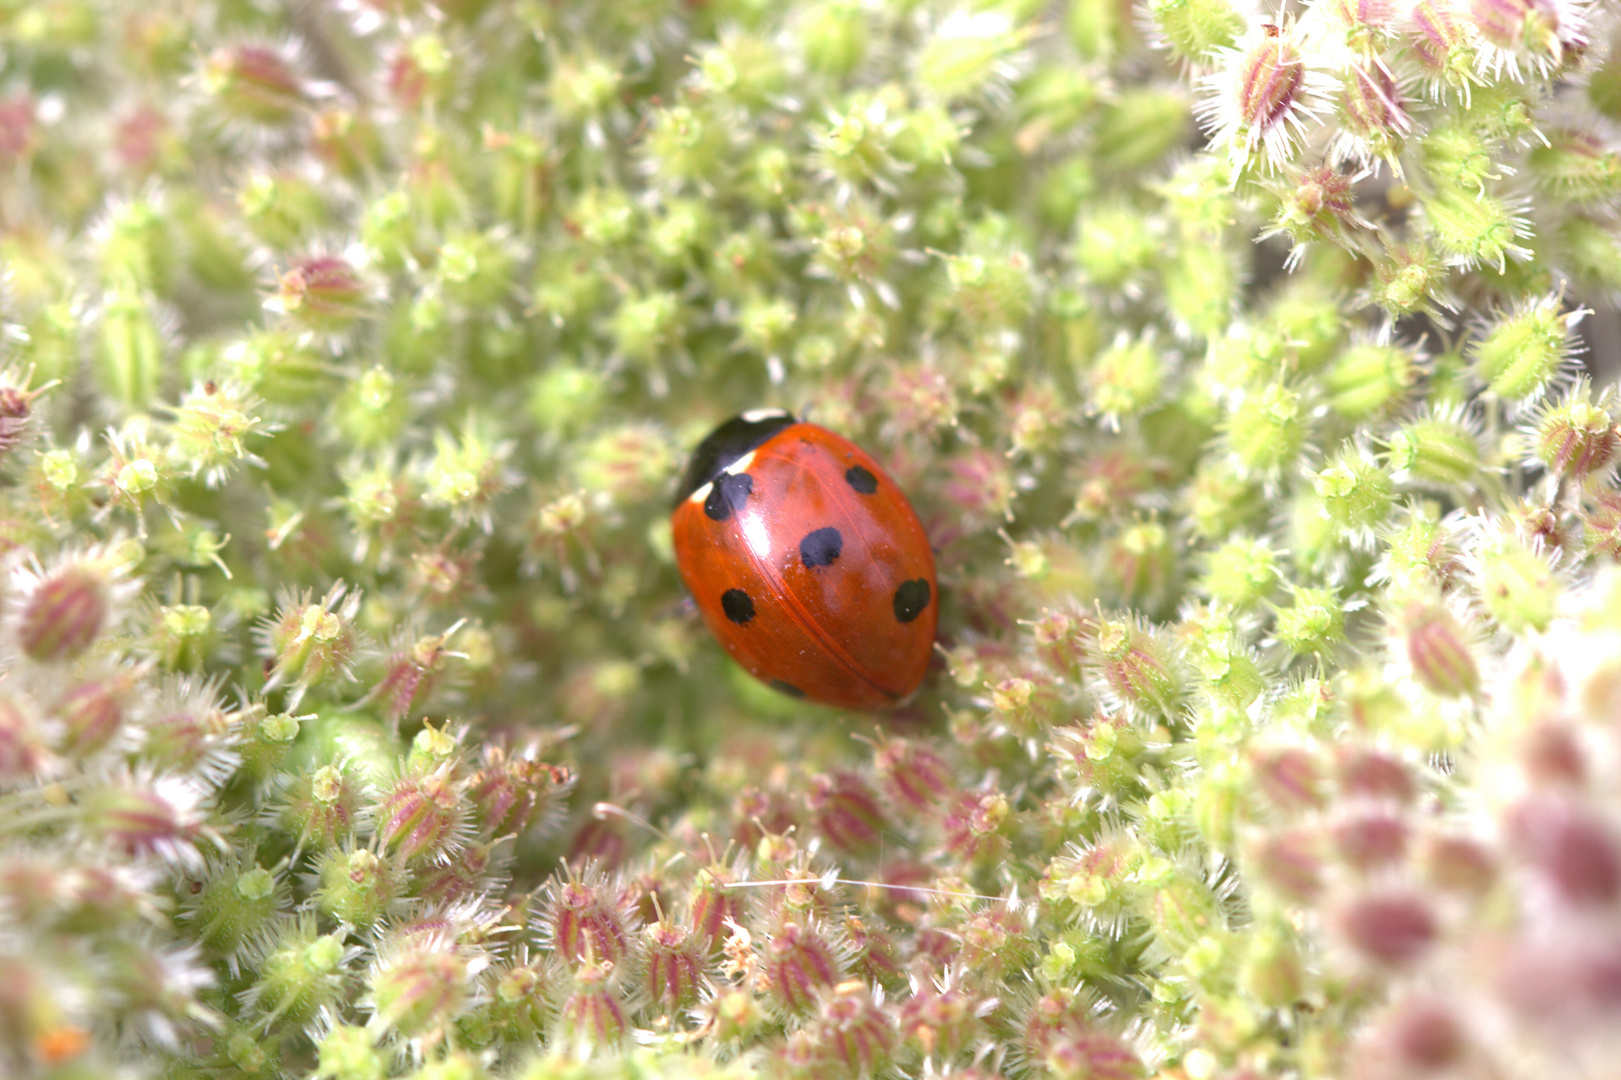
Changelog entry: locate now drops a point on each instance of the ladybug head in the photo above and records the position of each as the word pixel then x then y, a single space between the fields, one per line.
pixel 727 443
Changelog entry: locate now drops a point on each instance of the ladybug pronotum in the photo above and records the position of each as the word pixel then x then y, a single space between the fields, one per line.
pixel 807 562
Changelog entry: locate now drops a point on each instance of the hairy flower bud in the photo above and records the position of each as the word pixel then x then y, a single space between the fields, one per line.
pixel 1389 928
pixel 65 611
pixel 422 815
pixel 586 920
pixel 255 83
pixel 846 811
pixel 800 963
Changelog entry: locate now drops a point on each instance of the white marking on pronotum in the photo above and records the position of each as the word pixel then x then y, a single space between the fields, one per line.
pixel 741 465
pixel 701 494
pixel 755 416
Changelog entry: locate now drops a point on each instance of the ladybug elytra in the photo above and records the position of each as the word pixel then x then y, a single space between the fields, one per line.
pixel 807 561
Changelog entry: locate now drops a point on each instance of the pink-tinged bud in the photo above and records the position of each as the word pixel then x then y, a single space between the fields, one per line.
pixel 980 485
pixel 322 292
pixel 799 963
pixel 1288 777
pixel 1551 755
pixel 1503 22
pixel 997 942
pixel 973 825
pixel 713 905
pixel 423 982
pixel 509 794
pixel 91 713
pixel 1438 651
pixel 1417 1037
pixel 874 955
pixel 1389 928
pixel 587 921
pixel 913 776
pixel 1054 1015
pixel 757 813
pixel 599 841
pixel 16 409
pixel 1292 863
pixel 1271 78
pixel 1458 864
pixel 1601 526
pixel 1442 42
pixel 1374 774
pixel 855 1031
pixel 1093 1055
pixel 348 143
pixel 1577 853
pixel 16 128
pixel 140 139
pixel 673 964
pixel 160 817
pixel 1373 109
pixel 465 877
pixel 1139 668
pixel 593 1016
pixel 255 83
pixel 321 807
pixel 847 812
pixel 64 613
pixel 22 748
pixel 1361 20
pixel 941 1020
pixel 1371 840
pixel 421 815
pixel 1577 439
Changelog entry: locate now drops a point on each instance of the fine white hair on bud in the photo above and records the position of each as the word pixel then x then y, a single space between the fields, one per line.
pixel 1263 97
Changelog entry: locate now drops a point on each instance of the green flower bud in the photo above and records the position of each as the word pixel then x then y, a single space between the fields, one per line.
pixel 210 426
pixel 1354 490
pixel 301 974
pixel 350 1052
pixel 475 269
pixel 644 327
pixel 582 86
pixel 1516 585
pixel 1438 450
pixel 1192 29
pixel 1524 350
pixel 1313 624
pixel 282 211
pixel 968 50
pixel 1139 127
pixel 1268 429
pixel 1473 229
pixel 1575 166
pixel 1126 379
pixel 1370 379
pixel 834 36
pixel 235 907
pixel 1241 573
pixel 1114 244
pixel 356 887
pixel 1219 501
pixel 1201 287
pixel 129 349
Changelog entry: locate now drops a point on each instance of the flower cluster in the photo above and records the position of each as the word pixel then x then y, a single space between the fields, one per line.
pixel 1252 372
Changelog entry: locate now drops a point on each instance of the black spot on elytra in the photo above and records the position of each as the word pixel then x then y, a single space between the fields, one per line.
pixel 728 492
pixel 821 547
pixel 737 606
pixel 910 599
pixel 860 479
pixel 787 688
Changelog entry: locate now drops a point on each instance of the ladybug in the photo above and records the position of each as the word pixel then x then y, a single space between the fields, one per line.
pixel 807 562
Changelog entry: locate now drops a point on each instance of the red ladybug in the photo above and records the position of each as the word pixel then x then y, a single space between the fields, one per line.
pixel 807 561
